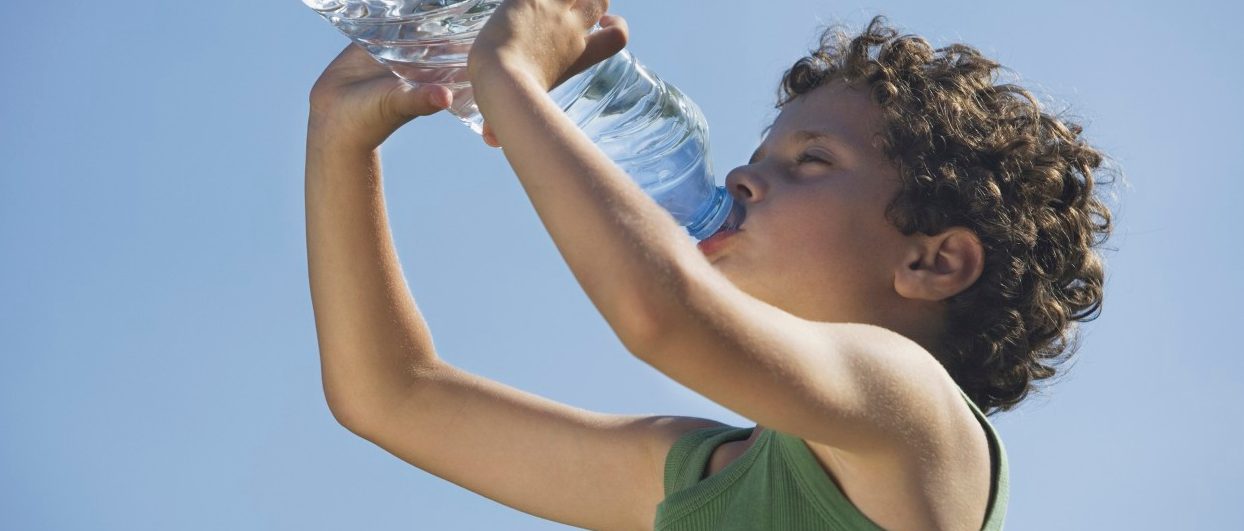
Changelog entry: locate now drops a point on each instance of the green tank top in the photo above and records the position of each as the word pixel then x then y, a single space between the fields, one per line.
pixel 778 484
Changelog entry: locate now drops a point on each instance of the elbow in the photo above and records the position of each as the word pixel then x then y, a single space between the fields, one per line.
pixel 358 412
pixel 644 328
pixel 642 338
pixel 336 394
pixel 351 418
pixel 699 306
pixel 664 321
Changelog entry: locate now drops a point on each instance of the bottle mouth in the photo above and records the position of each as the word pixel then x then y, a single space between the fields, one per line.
pixel 735 219
pixel 727 215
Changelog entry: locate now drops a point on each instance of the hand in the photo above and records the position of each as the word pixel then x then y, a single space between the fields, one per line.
pixel 547 39
pixel 360 102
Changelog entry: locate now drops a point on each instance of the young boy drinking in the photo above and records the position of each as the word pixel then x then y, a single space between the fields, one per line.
pixel 917 246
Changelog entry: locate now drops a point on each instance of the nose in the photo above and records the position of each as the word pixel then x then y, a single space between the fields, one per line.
pixel 745 184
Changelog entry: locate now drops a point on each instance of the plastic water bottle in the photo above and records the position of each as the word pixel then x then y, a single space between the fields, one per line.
pixel 651 130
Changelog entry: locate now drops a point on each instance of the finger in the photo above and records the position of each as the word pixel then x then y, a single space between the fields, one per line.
pixel 602 44
pixel 609 19
pixel 489 137
pixel 350 50
pixel 613 35
pixel 343 57
pixel 355 62
pixel 354 49
pixel 435 97
pixel 354 53
pixel 593 10
pixel 407 102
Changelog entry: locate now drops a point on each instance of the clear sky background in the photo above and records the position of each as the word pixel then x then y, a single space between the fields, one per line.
pixel 160 366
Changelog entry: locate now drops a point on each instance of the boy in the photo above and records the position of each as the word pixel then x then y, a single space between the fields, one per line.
pixel 915 245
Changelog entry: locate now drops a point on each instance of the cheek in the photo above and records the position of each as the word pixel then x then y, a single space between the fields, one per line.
pixel 842 243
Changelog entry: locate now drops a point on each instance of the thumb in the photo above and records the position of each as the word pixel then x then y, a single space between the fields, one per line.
pixel 612 35
pixel 408 102
pixel 602 44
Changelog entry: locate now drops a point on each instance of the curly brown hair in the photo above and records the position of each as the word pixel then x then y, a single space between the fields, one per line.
pixel 980 154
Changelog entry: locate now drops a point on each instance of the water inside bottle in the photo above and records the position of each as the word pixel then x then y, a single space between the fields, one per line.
pixel 422 41
pixel 649 128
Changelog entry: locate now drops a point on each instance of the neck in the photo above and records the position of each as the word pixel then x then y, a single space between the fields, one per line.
pixel 921 321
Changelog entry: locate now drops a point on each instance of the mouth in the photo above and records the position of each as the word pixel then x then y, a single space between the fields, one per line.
pixel 715 242
pixel 732 225
pixel 734 221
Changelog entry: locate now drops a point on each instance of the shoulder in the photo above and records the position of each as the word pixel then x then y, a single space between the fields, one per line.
pixel 897 387
pixel 930 466
pixel 940 487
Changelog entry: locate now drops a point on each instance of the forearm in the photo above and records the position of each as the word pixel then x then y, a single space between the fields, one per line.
pixel 629 254
pixel 372 338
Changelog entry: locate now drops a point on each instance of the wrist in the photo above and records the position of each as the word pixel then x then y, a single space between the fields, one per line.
pixel 329 159
pixel 502 87
pixel 499 68
pixel 327 134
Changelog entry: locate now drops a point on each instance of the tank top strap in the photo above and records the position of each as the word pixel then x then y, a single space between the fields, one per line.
pixel 1000 487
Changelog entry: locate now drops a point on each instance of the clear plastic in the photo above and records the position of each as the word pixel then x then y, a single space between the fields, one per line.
pixel 651 130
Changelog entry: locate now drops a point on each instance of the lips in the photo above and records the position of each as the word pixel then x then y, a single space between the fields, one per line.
pixel 732 225
pixel 715 242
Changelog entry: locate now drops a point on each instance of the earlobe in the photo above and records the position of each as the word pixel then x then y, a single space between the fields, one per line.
pixel 941 266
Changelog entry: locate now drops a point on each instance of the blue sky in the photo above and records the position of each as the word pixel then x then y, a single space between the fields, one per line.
pixel 160 366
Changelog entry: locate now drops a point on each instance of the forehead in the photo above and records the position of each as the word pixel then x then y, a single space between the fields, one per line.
pixel 847 113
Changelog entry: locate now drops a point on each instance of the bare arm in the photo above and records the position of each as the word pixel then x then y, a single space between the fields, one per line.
pixel 582 468
pixel 385 382
pixel 851 386
pixel 373 340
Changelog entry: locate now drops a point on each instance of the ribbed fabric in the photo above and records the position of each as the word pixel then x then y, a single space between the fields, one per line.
pixel 778 484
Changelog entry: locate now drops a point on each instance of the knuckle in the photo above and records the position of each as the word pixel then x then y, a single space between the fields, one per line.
pixel 388 108
pixel 321 97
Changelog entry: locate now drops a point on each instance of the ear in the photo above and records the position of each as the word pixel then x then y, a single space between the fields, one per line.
pixel 940 266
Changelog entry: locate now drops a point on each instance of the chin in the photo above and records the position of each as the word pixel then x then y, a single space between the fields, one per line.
pixel 740 279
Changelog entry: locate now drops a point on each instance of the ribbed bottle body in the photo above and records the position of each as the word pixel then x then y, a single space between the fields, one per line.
pixel 652 131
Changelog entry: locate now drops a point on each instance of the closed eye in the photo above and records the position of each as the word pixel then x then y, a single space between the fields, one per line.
pixel 807 157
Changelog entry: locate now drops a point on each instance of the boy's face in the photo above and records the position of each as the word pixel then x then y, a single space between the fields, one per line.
pixel 815 241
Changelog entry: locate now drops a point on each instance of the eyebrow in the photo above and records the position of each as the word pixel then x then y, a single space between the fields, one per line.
pixel 804 136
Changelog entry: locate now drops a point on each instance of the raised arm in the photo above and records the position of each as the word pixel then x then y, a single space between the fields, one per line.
pixel 382 376
pixel 373 341
pixel 851 386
